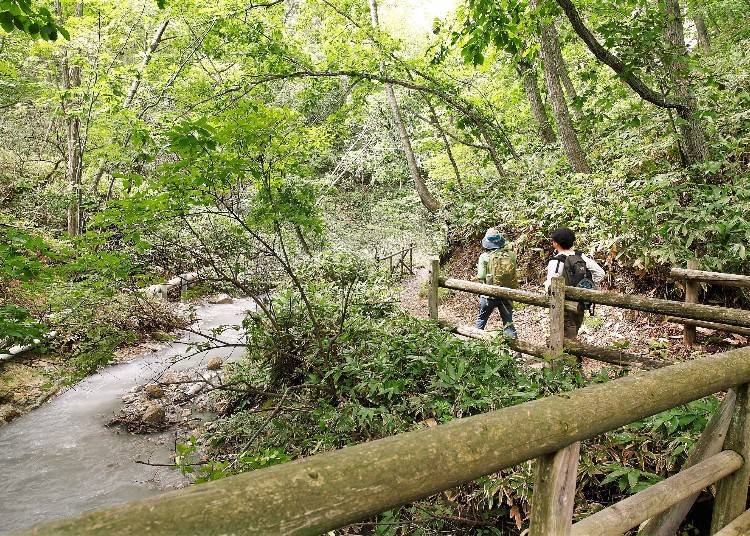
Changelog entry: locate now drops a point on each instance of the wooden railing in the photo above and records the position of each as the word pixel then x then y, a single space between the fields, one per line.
pixel 555 474
pixel 563 298
pixel 331 490
pixel 401 261
pixel 692 276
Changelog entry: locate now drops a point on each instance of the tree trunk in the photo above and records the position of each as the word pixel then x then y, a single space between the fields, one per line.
pixel 528 76
pixel 568 136
pixel 425 196
pixel 70 78
pixel 562 71
pixel 491 149
pixel 435 120
pixel 701 32
pixel 694 141
pixel 134 85
pixel 691 131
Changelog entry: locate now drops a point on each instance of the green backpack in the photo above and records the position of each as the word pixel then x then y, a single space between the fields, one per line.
pixel 501 269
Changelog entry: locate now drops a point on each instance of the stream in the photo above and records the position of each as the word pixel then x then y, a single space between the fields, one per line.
pixel 61 460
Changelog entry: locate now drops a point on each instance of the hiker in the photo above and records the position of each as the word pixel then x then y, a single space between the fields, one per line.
pixel 496 266
pixel 578 269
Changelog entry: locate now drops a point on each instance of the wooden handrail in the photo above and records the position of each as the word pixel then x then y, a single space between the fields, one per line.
pixel 715 278
pixel 694 311
pixel 709 325
pixel 400 252
pixel 634 510
pixel 520 296
pixel 331 490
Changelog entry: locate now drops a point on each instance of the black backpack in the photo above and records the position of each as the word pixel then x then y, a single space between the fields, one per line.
pixel 576 274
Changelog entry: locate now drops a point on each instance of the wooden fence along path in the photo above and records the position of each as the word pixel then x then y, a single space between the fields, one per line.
pixel 331 490
pixel 692 276
pixel 402 261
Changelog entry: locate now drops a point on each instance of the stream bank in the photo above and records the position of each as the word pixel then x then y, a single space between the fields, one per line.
pixel 62 459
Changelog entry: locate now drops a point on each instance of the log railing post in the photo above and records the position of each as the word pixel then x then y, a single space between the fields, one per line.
pixel 554 492
pixel 731 492
pixel 555 480
pixel 411 259
pixel 556 338
pixel 691 296
pixel 434 287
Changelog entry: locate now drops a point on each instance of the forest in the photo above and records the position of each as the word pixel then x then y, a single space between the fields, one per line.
pixel 217 224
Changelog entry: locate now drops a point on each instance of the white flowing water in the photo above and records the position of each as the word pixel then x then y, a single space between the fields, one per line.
pixel 61 460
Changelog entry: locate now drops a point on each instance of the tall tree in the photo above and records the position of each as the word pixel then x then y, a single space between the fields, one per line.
pixel 527 73
pixel 435 122
pixel 134 85
pixel 429 202
pixel 693 138
pixel 70 80
pixel 563 72
pixel 701 31
pixel 567 133
pixel 691 131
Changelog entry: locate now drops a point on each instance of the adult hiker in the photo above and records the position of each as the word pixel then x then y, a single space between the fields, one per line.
pixel 496 266
pixel 579 270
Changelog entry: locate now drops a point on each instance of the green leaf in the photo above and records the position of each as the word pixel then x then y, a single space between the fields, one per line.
pixel 6 21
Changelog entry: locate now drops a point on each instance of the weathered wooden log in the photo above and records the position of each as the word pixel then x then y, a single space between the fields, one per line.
pixel 433 296
pixel 555 473
pixel 731 493
pixel 632 511
pixel 331 490
pixel 19 349
pixel 181 280
pixel 694 311
pixel 153 290
pixel 739 527
pixel 710 325
pixel 691 296
pixel 709 444
pixel 520 296
pixel 554 492
pixel 614 356
pixel 716 278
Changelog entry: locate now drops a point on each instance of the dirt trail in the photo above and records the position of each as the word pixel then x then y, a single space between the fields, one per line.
pixel 637 332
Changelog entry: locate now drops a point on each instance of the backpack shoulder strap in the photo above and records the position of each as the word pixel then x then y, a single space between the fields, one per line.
pixel 560 259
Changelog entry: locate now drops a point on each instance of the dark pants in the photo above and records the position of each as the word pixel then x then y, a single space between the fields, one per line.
pixel 573 322
pixel 487 305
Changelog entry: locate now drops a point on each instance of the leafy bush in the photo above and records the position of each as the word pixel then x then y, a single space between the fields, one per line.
pixel 371 371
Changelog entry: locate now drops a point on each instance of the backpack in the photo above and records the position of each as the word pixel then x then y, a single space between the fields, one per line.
pixel 501 269
pixel 576 274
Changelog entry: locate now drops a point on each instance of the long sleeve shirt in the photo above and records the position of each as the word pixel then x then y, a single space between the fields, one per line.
pixel 555 267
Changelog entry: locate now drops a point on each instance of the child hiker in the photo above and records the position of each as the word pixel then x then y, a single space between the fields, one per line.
pixel 578 269
pixel 496 266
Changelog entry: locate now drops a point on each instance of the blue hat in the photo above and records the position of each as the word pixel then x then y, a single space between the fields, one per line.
pixel 493 239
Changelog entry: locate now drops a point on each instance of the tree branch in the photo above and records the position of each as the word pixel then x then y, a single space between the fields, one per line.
pixel 606 57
